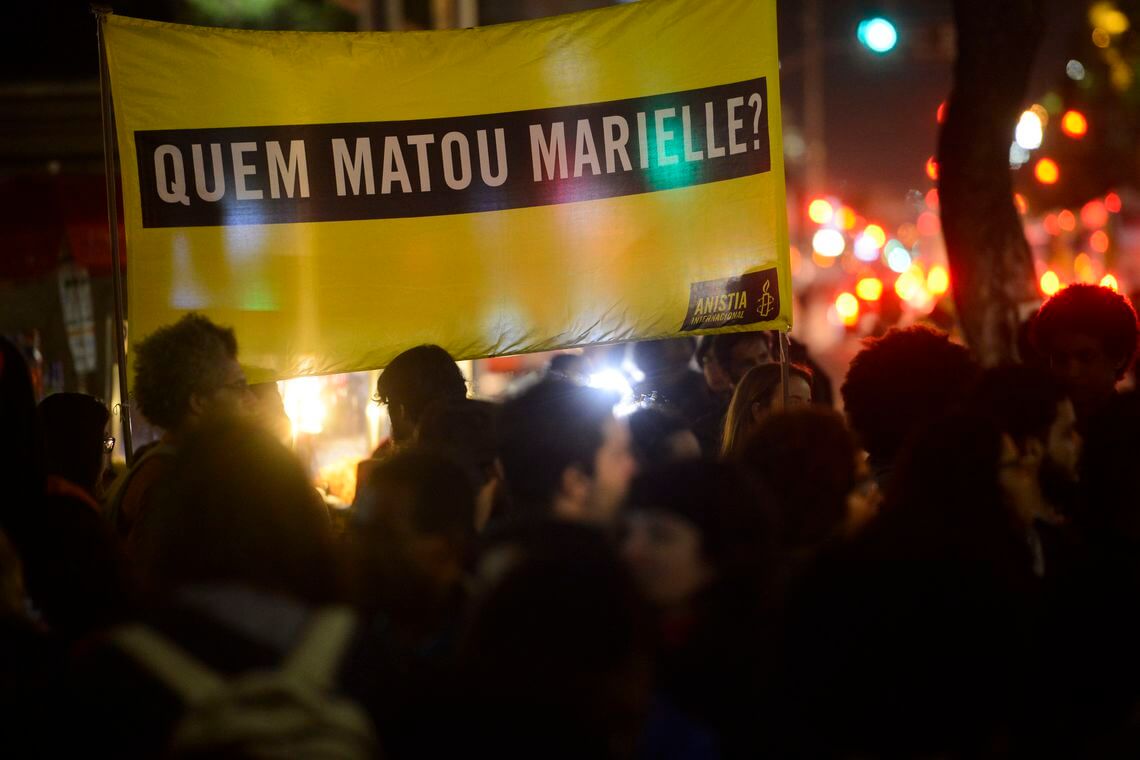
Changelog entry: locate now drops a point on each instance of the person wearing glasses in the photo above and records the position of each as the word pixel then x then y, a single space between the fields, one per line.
pixel 186 373
pixel 76 445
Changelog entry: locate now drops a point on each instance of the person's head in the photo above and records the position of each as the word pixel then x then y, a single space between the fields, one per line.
pixel 716 378
pixel 739 352
pixel 238 508
pixel 268 408
pixel 572 367
pixel 415 380
pixel 1031 408
pixel 1109 476
pixel 661 435
pixel 188 372
pixel 956 489
pixel 758 393
pixel 556 644
pixel 664 360
pixel 564 453
pixel 807 460
pixel 467 431
pixel 1088 334
pixel 901 381
pixel 74 427
pixel 413 530
pixel 687 525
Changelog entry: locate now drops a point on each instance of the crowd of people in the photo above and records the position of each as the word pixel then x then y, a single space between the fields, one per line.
pixel 946 568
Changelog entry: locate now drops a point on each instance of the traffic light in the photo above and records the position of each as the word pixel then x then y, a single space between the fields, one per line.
pixel 877 34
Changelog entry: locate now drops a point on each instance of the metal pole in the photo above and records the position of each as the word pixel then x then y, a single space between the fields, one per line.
pixel 785 368
pixel 113 223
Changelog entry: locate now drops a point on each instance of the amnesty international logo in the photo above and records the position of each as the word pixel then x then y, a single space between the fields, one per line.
pixel 767 302
pixel 743 300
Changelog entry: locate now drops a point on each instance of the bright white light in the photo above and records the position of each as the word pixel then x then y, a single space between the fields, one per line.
pixel 866 248
pixel 615 381
pixel 1075 69
pixel 1029 131
pixel 878 34
pixel 303 404
pixel 827 242
pixel 898 257
pixel 1018 156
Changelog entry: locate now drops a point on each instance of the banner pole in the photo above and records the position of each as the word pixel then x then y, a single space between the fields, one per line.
pixel 113 229
pixel 785 367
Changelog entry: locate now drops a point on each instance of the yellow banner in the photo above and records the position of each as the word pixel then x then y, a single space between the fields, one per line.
pixel 603 176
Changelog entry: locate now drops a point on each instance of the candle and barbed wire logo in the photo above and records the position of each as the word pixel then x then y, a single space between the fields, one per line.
pixel 743 300
pixel 767 302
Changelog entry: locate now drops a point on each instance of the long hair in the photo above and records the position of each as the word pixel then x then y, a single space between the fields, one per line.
pixel 758 386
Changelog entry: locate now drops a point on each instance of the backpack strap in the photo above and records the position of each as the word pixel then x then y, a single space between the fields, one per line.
pixel 316 659
pixel 186 676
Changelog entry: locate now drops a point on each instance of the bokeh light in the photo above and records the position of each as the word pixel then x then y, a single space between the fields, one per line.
pixel 1074 124
pixel 1029 131
pixel 1047 171
pixel 1109 281
pixel 828 242
pixel 938 280
pixel 1050 282
pixel 820 211
pixel 1098 241
pixel 932 168
pixel 1067 221
pixel 869 288
pixel 847 306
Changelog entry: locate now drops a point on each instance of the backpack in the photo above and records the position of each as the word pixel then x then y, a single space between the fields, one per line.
pixel 290 712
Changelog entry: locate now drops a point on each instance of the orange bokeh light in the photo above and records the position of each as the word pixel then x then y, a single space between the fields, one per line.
pixel 1109 281
pixel 1047 171
pixel 820 211
pixel 1067 221
pixel 1019 202
pixel 938 280
pixel 1098 241
pixel 941 113
pixel 869 288
pixel 1112 203
pixel 845 217
pixel 932 168
pixel 1074 124
pixel 1050 282
pixel 1050 224
pixel 1094 214
pixel 932 200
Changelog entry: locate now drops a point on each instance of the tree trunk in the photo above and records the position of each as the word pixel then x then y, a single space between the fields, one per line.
pixel 991 266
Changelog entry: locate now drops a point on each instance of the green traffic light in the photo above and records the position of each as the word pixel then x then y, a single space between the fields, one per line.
pixel 877 34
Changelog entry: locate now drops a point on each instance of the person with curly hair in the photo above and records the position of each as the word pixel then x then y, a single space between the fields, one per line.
pixel 185 374
pixel 1088 334
pixel 900 382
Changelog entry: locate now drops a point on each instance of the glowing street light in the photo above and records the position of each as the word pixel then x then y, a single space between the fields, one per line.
pixel 877 35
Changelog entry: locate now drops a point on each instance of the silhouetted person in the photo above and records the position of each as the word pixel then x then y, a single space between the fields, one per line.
pixel 554 660
pixel 72 565
pixel 564 454
pixel 694 541
pixel 75 438
pixel 897 384
pixel 412 382
pixel 917 637
pixel 807 461
pixel 185 374
pixel 412 538
pixel 244 555
pixel 660 435
pixel 670 377
pixel 1088 334
pixel 467 431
